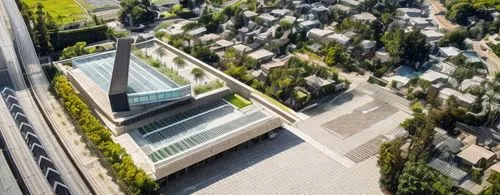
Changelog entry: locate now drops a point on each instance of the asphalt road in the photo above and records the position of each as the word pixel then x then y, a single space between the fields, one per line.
pixel 40 85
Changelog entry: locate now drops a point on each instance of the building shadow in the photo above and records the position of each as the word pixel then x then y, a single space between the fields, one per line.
pixel 230 163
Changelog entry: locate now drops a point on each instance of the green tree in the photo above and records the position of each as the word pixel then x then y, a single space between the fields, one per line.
pixel 76 50
pixel 197 73
pixel 391 163
pixel 204 54
pixel 41 32
pixel 454 38
pixel 336 54
pixel 416 178
pixel 415 48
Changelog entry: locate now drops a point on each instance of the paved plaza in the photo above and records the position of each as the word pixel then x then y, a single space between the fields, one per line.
pixel 307 158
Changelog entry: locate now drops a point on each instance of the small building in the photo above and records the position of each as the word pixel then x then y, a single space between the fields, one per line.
pixel 420 23
pixel 364 17
pixel 317 85
pixel 383 56
pixel 240 48
pixel 463 99
pixel 267 20
pixel 289 19
pixel 471 56
pixel 280 13
pixel 262 55
pixel 468 83
pixel 434 76
pixel 472 155
pixel 339 38
pixel 350 3
pixel 401 81
pixel 249 14
pixel 259 75
pixel 268 67
pixel 209 38
pixel 318 34
pixel 406 13
pixel 309 24
pixel 197 32
pixel 322 13
pixel 368 46
pixel 339 7
pixel 447 52
pixel 432 35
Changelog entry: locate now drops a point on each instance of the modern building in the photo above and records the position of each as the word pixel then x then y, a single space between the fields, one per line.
pixel 160 121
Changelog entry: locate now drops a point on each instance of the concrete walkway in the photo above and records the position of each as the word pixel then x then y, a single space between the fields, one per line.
pixel 340 159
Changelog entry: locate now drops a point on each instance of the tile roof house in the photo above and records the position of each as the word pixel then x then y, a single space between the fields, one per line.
pixel 449 170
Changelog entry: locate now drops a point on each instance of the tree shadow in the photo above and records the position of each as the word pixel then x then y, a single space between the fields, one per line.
pixel 230 163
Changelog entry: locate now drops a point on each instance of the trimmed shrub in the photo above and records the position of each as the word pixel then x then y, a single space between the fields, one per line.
pixel 134 178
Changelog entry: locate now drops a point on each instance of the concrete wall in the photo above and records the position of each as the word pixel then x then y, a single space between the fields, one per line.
pixel 215 147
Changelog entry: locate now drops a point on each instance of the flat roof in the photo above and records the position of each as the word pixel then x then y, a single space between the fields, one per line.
pixel 142 77
pixel 176 134
pixel 474 153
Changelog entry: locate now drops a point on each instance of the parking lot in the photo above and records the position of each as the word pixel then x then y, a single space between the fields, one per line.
pixel 334 150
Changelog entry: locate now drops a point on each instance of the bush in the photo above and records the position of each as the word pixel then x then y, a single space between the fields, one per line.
pixel 135 179
pixel 203 88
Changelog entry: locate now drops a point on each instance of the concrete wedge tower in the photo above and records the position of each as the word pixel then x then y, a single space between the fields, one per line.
pixel 119 79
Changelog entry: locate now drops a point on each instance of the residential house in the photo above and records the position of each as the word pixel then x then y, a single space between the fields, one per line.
pixel 267 20
pixel 318 34
pixel 434 76
pixel 364 17
pixel 339 7
pixel 368 46
pixel 197 32
pixel 321 13
pixel 302 9
pixel 249 16
pixel 262 55
pixel 350 3
pixel 240 48
pixel 317 85
pixel 463 99
pixel 208 38
pixel 339 38
pixel 420 23
pixel 406 13
pixel 383 56
pixel 268 67
pixel 447 52
pixel 280 13
pixel 472 155
pixel 309 24
pixel 432 35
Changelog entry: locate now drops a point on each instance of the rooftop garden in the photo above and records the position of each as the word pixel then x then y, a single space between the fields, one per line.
pixel 157 64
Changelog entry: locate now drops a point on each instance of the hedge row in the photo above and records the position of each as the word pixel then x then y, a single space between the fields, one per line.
pixel 92 34
pixel 134 178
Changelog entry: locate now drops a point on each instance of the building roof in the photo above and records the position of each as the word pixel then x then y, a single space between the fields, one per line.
pixel 448 169
pixel 351 2
pixel 310 23
pixel 197 31
pixel 290 19
pixel 315 81
pixel 449 51
pixel 317 33
pixel 431 75
pixel 365 16
pixel 249 14
pixel 467 83
pixel 400 79
pixel 342 7
pixel 465 97
pixel 210 37
pixel 339 38
pixel 242 48
pixel 368 44
pixel 474 153
pixel 471 56
pixel 260 54
pixel 267 17
pixel 224 43
pixel 495 167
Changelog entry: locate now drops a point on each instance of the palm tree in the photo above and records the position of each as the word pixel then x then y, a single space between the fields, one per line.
pixel 198 73
pixel 179 61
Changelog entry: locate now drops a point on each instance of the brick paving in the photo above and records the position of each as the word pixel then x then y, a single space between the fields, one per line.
pixel 366 150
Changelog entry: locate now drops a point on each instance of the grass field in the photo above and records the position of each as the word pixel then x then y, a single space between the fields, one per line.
pixel 67 9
